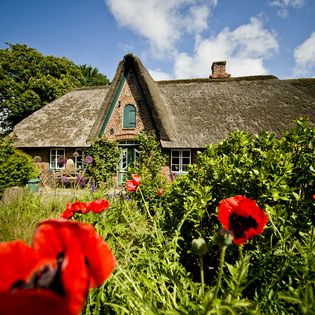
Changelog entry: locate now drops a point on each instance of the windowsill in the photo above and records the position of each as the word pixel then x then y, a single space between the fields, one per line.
pixel 179 173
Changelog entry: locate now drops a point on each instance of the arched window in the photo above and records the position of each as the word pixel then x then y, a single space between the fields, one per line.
pixel 129 119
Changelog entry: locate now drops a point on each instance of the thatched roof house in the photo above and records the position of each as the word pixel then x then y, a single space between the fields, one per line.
pixel 186 114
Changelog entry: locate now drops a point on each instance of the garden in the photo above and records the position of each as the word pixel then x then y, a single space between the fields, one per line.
pixel 235 235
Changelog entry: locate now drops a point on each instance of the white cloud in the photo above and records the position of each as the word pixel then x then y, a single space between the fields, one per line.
pixel 283 6
pixel 162 23
pixel 304 56
pixel 157 75
pixel 245 49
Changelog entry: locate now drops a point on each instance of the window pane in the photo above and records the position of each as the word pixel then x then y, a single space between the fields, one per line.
pixel 186 153
pixel 175 168
pixel 175 153
pixel 78 159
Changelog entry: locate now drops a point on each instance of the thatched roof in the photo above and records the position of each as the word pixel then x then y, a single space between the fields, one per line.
pixel 186 113
pixel 160 114
pixel 66 122
pixel 206 110
pixel 306 85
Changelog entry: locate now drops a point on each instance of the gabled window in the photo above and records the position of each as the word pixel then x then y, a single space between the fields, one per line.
pixel 180 159
pixel 129 118
pixel 57 159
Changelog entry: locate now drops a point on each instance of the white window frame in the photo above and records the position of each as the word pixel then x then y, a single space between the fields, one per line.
pixel 54 156
pixel 178 168
pixel 79 159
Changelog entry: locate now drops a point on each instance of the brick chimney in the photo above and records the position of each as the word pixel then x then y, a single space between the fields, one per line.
pixel 218 70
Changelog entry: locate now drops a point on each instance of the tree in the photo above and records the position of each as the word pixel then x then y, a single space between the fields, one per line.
pixel 30 80
pixel 93 77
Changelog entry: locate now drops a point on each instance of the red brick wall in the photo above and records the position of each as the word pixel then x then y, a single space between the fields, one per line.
pixel 130 94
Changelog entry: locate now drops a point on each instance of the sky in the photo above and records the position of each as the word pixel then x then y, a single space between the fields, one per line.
pixel 175 39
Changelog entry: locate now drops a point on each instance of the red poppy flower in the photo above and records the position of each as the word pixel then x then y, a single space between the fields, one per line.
pixel 136 178
pixel 65 260
pixel 98 205
pixel 68 213
pixel 133 183
pixel 242 217
pixel 80 207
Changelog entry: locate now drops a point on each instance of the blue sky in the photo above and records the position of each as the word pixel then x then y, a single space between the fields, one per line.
pixel 173 38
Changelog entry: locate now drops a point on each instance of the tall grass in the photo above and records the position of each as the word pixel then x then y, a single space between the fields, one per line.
pixel 19 217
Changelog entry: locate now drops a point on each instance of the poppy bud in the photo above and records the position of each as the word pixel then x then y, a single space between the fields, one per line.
pixel 199 246
pixel 224 237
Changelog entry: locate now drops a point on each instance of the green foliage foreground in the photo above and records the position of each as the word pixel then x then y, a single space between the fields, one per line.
pixel 16 167
pixel 156 272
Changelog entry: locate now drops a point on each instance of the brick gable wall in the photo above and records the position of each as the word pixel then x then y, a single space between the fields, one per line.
pixel 130 94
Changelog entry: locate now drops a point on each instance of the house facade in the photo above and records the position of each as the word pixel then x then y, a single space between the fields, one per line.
pixel 186 115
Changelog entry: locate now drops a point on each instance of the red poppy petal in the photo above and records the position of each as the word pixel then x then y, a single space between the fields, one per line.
pixel 226 207
pixel 131 187
pixel 80 207
pixel 100 259
pixel 55 237
pixel 99 205
pixel 17 261
pixel 67 214
pixel 35 302
pixel 136 178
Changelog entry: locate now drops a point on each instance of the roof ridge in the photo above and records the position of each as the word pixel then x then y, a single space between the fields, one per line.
pixel 201 80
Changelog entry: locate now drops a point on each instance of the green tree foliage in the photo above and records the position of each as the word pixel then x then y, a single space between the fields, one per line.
pixel 105 156
pixel 16 166
pixel 92 77
pixel 30 80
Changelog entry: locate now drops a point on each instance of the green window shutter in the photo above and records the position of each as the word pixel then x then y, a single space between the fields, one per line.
pixel 129 119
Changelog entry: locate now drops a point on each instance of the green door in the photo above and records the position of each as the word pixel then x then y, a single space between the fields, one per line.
pixel 128 155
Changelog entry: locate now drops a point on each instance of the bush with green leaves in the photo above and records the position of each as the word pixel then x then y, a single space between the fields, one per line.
pixel 277 172
pixel 105 156
pixel 16 167
pixel 149 166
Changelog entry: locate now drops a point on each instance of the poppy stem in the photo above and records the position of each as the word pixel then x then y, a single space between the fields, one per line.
pixel 145 204
pixel 148 211
pixel 222 256
pixel 240 250
pixel 202 275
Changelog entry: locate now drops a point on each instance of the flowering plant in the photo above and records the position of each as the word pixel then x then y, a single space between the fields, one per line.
pixel 96 206
pixel 88 159
pixel 243 217
pixel 133 183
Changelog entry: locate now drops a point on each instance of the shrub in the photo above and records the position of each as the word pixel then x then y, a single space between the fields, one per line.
pixel 16 167
pixel 276 172
pixel 105 156
pixel 149 166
